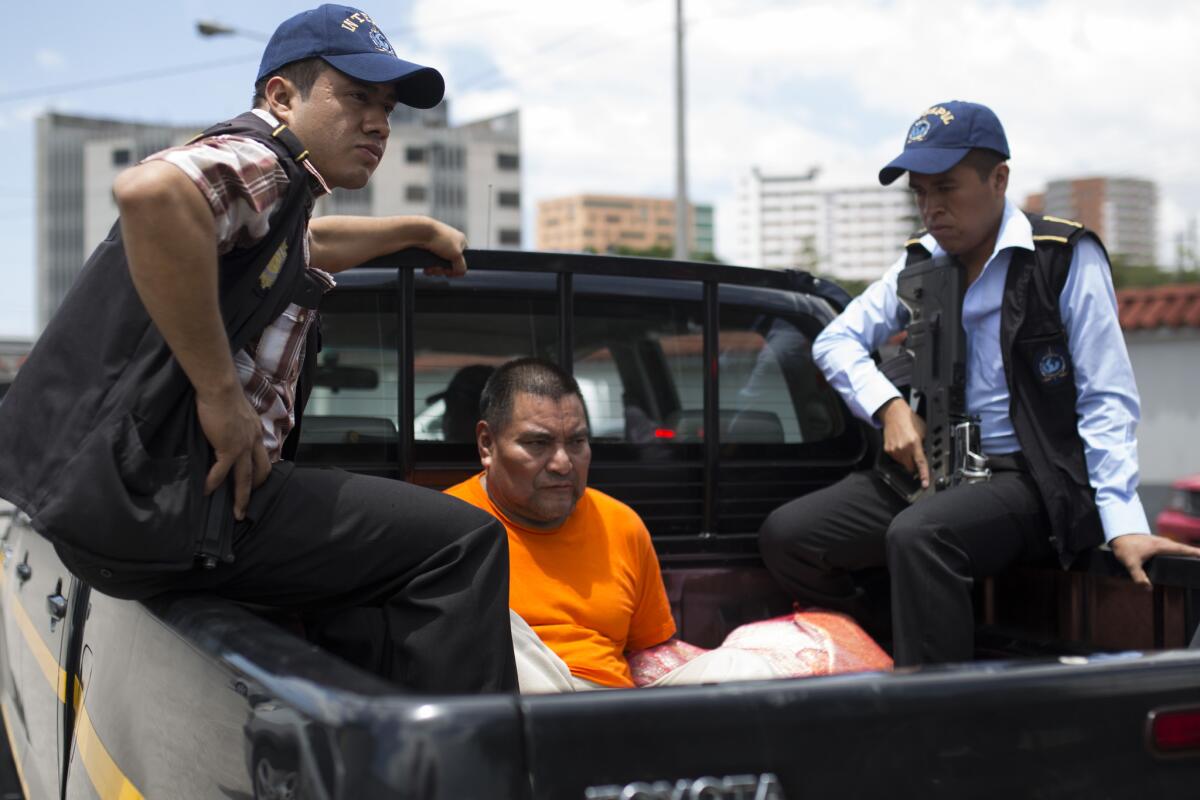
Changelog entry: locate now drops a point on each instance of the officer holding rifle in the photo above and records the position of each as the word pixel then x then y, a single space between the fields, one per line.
pixel 1044 375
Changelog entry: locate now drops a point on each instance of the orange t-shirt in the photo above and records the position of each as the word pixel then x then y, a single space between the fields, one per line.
pixel 591 589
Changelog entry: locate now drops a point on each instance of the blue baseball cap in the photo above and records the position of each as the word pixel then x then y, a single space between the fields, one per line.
pixel 347 40
pixel 942 135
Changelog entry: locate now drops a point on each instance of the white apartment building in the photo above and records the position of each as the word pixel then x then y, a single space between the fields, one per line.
pixel 791 221
pixel 468 176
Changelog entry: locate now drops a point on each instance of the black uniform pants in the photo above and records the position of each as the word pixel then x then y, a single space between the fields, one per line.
pixel 318 540
pixel 819 545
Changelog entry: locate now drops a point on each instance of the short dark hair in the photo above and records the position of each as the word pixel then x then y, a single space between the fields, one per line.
pixel 535 376
pixel 983 160
pixel 303 74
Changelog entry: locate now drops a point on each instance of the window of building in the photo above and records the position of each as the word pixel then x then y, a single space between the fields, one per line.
pixel 508 161
pixel 508 199
pixel 593 202
pixel 509 237
pixel 448 157
pixel 121 157
pixel 416 193
pixel 415 155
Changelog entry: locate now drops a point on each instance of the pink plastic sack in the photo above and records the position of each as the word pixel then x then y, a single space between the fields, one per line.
pixel 797 645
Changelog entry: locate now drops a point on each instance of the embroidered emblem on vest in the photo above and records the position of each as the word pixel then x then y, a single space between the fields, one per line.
pixel 267 278
pixel 1052 366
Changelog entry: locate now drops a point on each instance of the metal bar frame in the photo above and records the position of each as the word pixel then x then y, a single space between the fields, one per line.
pixel 406 394
pixel 712 406
pixel 566 322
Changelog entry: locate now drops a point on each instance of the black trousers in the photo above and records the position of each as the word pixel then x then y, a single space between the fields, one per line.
pixel 319 540
pixel 820 546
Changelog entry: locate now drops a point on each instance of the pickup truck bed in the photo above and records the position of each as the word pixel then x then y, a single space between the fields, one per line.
pixel 708 413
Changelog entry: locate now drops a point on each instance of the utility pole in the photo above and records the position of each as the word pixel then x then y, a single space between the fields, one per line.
pixel 681 193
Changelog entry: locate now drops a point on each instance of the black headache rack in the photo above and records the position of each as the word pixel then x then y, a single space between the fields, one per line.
pixel 404 266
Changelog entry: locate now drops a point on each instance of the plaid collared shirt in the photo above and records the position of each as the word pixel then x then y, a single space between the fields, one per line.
pixel 244 183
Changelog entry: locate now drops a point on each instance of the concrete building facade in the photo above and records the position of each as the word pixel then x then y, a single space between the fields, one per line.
pixel 77 159
pixel 789 221
pixel 602 223
pixel 467 176
pixel 1122 211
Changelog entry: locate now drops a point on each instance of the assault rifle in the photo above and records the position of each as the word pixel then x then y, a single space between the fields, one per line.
pixel 935 354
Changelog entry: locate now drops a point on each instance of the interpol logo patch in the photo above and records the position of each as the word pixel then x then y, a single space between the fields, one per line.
pixel 919 130
pixel 380 41
pixel 1053 366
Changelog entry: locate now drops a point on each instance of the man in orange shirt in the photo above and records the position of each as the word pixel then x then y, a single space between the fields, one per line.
pixel 584 581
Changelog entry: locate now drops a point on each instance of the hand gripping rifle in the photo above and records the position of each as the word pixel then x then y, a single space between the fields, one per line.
pixel 935 353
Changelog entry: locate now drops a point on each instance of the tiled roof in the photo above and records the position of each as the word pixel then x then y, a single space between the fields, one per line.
pixel 1174 306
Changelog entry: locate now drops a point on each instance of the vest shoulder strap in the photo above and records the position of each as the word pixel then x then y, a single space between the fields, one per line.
pixel 1054 240
pixel 255 126
pixel 1054 230
pixel 916 251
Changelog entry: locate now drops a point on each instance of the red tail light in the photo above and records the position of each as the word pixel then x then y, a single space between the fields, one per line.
pixel 664 433
pixel 1175 732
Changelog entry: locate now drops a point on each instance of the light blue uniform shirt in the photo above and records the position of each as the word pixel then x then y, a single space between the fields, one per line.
pixel 1107 399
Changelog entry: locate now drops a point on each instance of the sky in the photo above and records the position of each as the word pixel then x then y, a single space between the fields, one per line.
pixel 1082 87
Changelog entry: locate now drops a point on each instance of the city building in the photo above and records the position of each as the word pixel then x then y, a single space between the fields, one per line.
pixel 605 223
pixel 1035 203
pixel 468 176
pixel 790 221
pixel 12 355
pixel 1122 211
pixel 77 159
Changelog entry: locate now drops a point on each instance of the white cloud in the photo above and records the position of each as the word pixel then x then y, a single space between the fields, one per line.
pixel 49 59
pixel 1096 87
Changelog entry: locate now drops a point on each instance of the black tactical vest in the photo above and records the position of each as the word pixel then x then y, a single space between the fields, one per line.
pixel 1041 380
pixel 99 440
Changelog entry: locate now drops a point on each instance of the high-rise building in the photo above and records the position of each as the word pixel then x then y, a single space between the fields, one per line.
pixel 467 176
pixel 786 221
pixel 77 159
pixel 603 223
pixel 1122 211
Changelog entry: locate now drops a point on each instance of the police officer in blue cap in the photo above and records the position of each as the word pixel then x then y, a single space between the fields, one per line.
pixel 1047 375
pixel 151 435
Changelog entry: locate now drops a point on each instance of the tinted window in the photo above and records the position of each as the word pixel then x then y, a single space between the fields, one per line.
pixel 458 340
pixel 640 363
pixel 351 414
